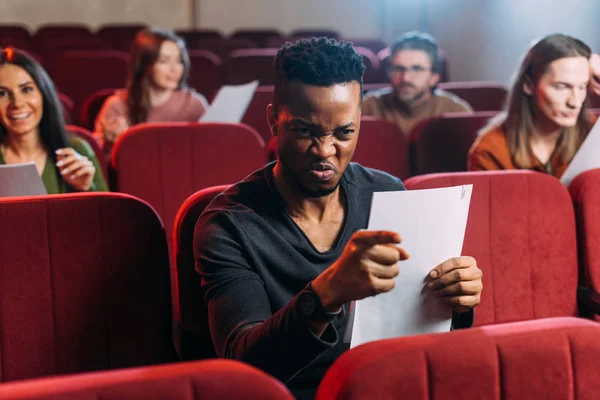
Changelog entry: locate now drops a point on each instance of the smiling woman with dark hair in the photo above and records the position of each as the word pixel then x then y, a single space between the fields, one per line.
pixel 32 128
pixel 157 88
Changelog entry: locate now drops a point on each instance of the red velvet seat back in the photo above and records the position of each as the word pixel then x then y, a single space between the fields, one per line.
pixel 521 231
pixel 246 65
pixel 550 359
pixel 118 33
pixel 166 163
pixel 194 340
pixel 256 113
pixel 481 96
pixel 381 145
pixel 80 73
pixel 585 192
pixel 205 72
pixel 84 285
pixel 18 32
pixel 204 380
pixel 86 135
pixel 48 48
pixel 442 144
pixel 258 36
pixel 91 107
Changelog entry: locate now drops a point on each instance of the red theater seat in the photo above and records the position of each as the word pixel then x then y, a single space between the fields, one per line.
pixel 19 32
pixel 381 145
pixel 585 192
pixel 92 106
pixel 481 96
pixel 373 44
pixel 86 135
pixel 258 36
pixel 48 48
pixel 67 107
pixel 310 33
pixel 372 71
pixel 247 65
pixel 256 114
pixel 221 47
pixel 193 338
pixel 165 163
pixel 65 31
pixel 442 144
pixel 118 33
pixel 521 231
pixel 205 72
pixel 550 359
pixel 80 73
pixel 84 285
pixel 204 380
pixel 190 35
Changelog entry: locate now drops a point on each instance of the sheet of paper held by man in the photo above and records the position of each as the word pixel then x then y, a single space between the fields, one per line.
pixel 586 158
pixel 432 225
pixel 230 103
pixel 20 180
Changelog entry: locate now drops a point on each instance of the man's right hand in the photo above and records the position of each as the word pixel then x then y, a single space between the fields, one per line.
pixel 366 268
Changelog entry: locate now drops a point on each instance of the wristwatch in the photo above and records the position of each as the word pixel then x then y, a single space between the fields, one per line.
pixel 310 307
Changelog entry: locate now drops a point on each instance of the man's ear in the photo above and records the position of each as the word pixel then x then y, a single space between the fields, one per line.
pixel 272 119
pixel 434 80
pixel 528 86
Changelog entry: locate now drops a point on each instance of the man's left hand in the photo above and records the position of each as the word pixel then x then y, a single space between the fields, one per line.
pixel 458 282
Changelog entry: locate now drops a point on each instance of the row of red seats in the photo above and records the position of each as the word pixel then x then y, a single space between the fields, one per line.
pixel 85 277
pixel 552 359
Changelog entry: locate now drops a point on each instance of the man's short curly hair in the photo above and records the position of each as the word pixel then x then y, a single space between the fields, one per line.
pixel 316 61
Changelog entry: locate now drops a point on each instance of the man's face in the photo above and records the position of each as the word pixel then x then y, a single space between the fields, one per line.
pixel 411 75
pixel 317 131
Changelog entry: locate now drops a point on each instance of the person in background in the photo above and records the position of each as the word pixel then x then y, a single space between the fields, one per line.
pixel 32 128
pixel 545 121
pixel 415 66
pixel 156 91
pixel 284 252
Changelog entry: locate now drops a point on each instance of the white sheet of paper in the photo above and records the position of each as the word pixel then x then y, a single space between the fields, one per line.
pixel 230 103
pixel 586 158
pixel 432 224
pixel 20 180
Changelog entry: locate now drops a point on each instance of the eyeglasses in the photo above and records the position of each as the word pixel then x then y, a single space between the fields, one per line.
pixel 415 69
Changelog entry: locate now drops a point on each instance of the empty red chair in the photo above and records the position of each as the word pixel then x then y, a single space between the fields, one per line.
pixel 92 106
pixel 191 35
pixel 204 380
pixel 310 33
pixel 481 96
pixel 165 163
pixel 66 31
pixel 258 36
pixel 221 47
pixel 86 135
pixel 22 44
pixel 84 285
pixel 371 63
pixel 551 359
pixel 14 32
pixel 256 114
pixel 247 65
pixel 80 73
pixel 67 107
pixel 381 145
pixel 192 337
pixel 521 231
pixel 442 144
pixel 585 192
pixel 205 72
pixel 50 47
pixel 114 34
pixel 373 44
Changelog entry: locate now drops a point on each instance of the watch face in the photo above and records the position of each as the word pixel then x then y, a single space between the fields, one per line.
pixel 307 304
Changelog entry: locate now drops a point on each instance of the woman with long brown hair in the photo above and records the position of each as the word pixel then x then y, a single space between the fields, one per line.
pixel 157 88
pixel 545 121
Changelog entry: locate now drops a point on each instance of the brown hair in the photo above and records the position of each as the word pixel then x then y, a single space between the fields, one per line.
pixel 145 50
pixel 517 121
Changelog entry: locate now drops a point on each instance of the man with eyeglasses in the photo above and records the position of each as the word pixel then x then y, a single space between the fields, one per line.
pixel 415 67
